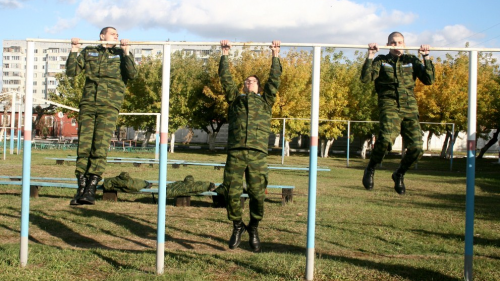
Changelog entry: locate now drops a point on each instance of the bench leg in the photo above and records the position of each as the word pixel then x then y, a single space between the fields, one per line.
pixel 34 191
pixel 110 195
pixel 182 201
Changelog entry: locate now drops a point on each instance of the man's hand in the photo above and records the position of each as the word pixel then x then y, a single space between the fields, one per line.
pixel 225 46
pixel 124 43
pixel 75 44
pixel 424 51
pixel 275 47
pixel 372 50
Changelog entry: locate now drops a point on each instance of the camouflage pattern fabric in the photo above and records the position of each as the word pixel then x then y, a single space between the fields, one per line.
pixel 95 129
pixel 393 121
pixel 187 187
pixel 249 114
pixel 248 140
pixel 394 83
pixel 107 71
pixel 124 183
pixel 253 165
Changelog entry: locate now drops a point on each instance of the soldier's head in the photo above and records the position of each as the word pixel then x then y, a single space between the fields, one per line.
pixel 108 34
pixel 252 84
pixel 189 179
pixel 396 39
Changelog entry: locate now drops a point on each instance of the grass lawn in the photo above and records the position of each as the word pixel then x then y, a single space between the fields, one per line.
pixel 360 235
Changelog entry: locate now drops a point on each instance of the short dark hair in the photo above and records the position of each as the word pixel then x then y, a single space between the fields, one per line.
pixel 393 34
pixel 104 30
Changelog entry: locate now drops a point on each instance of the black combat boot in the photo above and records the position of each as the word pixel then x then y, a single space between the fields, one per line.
pixel 82 182
pixel 88 196
pixel 238 229
pixel 254 235
pixel 399 184
pixel 368 178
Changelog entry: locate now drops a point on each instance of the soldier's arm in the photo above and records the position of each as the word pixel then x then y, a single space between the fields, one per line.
pixel 226 79
pixel 370 70
pixel 128 66
pixel 424 71
pixel 75 63
pixel 273 82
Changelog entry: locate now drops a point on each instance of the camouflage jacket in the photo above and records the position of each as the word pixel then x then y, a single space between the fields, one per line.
pixel 395 76
pixel 107 71
pixel 249 114
pixel 124 183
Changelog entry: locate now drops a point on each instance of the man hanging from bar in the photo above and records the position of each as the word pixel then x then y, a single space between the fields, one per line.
pixel 107 70
pixel 395 75
pixel 249 128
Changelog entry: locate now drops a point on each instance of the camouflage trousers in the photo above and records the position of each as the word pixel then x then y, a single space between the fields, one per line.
pixel 395 120
pixel 253 165
pixel 95 129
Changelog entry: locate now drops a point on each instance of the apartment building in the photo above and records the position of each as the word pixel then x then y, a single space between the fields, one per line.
pixel 50 59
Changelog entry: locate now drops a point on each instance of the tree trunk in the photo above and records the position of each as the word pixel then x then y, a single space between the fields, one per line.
pixel 287 148
pixel 445 145
pixel 429 139
pixel 327 148
pixel 299 141
pixel 172 143
pixel 451 144
pixel 277 140
pixel 211 141
pixel 322 147
pixel 364 148
pixel 490 143
pixel 146 139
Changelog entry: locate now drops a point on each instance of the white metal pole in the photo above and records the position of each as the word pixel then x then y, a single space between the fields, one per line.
pixel 313 164
pixel 471 166
pixel 162 182
pixel 25 194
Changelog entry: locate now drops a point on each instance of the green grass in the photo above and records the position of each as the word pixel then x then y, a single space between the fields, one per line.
pixel 360 235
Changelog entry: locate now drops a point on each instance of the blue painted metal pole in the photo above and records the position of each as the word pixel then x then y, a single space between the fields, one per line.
pixel 25 194
pixel 452 144
pixel 157 143
pixel 348 140
pixel 283 144
pixel 313 164
pixel 471 166
pixel 162 182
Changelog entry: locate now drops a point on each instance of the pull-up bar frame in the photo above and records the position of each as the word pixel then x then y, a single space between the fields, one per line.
pixel 160 251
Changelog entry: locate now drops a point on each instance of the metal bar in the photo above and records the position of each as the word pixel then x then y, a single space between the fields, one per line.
pixel 283 143
pixel 162 186
pixel 348 140
pixel 313 163
pixel 257 44
pixel 471 166
pixel 25 194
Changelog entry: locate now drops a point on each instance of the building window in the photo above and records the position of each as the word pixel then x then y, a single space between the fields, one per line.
pixel 34 83
pixel 73 122
pixel 5 65
pixel 16 58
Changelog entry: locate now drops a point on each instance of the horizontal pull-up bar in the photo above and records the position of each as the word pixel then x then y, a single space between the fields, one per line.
pixel 257 44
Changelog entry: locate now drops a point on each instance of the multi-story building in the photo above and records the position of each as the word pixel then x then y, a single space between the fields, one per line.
pixel 50 59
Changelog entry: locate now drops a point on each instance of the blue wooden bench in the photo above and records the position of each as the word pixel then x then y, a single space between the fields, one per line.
pixel 177 163
pixel 37 182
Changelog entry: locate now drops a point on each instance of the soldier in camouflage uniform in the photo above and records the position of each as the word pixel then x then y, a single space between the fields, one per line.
pixel 107 70
pixel 395 75
pixel 187 187
pixel 249 128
